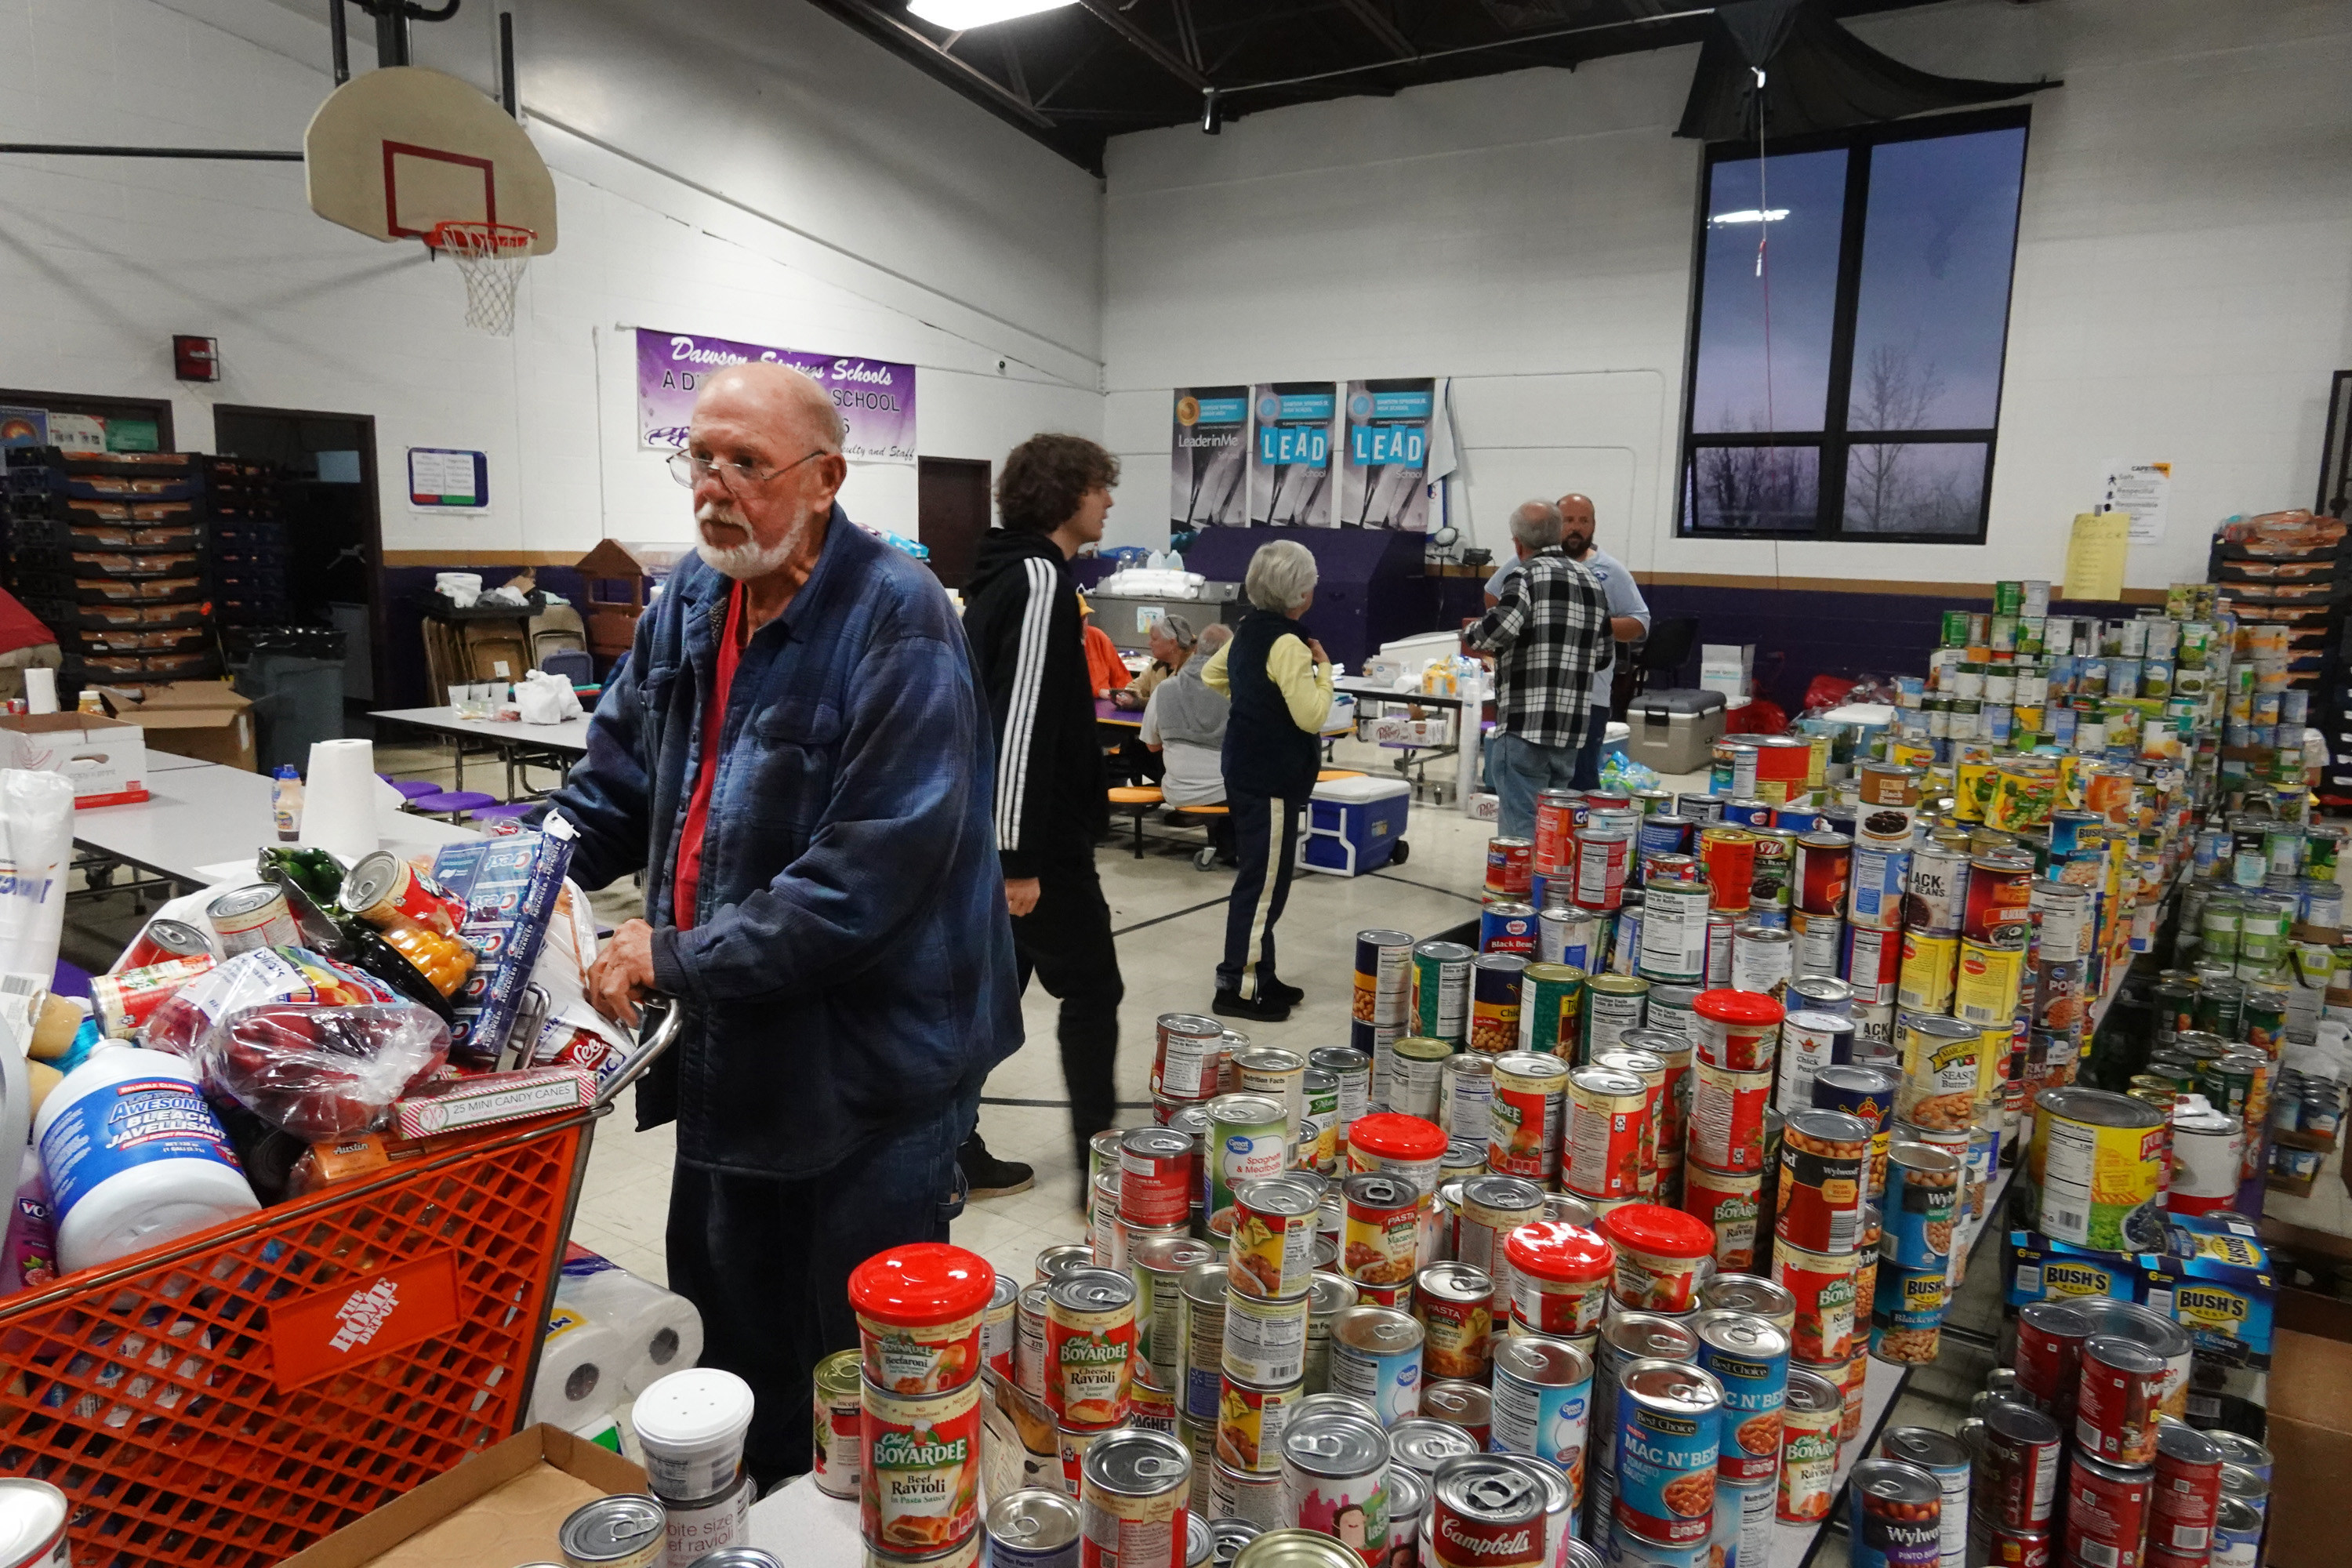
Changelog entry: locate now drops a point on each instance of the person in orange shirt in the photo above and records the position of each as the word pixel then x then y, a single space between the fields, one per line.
pixel 1106 672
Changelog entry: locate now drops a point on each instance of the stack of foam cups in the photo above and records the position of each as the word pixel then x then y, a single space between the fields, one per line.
pixel 690 1427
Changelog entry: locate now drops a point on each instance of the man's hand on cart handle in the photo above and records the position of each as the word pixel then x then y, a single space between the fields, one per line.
pixel 622 974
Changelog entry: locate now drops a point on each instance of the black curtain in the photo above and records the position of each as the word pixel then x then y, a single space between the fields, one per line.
pixel 1817 76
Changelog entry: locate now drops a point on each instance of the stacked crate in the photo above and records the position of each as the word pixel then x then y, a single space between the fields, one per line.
pixel 249 543
pixel 108 550
pixel 2293 571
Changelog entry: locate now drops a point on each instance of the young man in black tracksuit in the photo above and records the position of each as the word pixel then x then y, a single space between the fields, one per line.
pixel 1021 617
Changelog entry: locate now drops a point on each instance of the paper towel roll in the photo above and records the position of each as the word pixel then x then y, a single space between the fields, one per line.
pixel 579 1371
pixel 659 1332
pixel 339 798
pixel 40 689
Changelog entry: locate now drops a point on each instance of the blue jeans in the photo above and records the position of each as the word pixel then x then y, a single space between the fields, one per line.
pixel 1520 770
pixel 1594 751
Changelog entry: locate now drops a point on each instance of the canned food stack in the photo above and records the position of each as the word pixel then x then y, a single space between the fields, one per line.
pixel 2080 1454
pixel 1261 1331
pixel 690 1427
pixel 922 1311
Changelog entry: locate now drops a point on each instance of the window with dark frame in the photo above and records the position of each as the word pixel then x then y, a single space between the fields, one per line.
pixel 1850 387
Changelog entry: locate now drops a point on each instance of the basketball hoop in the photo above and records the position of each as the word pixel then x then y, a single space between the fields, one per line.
pixel 490 256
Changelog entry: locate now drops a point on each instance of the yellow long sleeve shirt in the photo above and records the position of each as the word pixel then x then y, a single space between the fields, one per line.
pixel 1305 683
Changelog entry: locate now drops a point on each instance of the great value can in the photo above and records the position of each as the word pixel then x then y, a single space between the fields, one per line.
pixel 1543 1402
pixel 1335 1480
pixel 1809 1419
pixel 1132 1490
pixel 1608 1119
pixel 1249 1139
pixel 1748 1356
pixel 1667 1416
pixel 1440 990
pixel 1376 1357
pixel 2237 1535
pixel 1528 1113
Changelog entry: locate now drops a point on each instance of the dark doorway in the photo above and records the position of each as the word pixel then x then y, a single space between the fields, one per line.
pixel 951 513
pixel 334 533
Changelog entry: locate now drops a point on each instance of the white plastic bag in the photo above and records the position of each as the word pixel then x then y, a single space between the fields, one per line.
pixel 545 698
pixel 35 844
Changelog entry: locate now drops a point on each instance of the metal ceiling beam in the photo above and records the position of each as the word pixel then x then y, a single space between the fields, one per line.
pixel 1377 23
pixel 875 17
pixel 1108 13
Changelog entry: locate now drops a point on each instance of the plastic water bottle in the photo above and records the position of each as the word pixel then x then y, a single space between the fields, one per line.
pixel 286 802
pixel 134 1157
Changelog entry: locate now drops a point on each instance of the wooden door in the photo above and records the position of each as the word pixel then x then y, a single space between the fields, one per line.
pixel 952 513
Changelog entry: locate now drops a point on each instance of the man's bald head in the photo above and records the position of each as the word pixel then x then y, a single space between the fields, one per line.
pixel 767 444
pixel 779 395
pixel 1576 524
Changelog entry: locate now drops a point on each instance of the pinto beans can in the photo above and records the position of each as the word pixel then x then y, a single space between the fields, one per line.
pixel 1667 1418
pixel 1089 1346
pixel 1748 1355
pixel 1897 1516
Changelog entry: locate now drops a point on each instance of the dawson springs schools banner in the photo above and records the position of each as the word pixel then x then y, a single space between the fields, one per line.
pixel 875 397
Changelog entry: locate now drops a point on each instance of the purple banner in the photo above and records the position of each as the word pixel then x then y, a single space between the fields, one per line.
pixel 877 397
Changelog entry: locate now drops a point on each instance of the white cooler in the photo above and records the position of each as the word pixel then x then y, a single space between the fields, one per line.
pixel 1353 825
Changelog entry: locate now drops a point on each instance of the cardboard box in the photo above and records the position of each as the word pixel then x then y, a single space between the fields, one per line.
pixel 1727 668
pixel 105 758
pixel 2310 1440
pixel 501 1507
pixel 2213 1278
pixel 202 719
pixel 1395 731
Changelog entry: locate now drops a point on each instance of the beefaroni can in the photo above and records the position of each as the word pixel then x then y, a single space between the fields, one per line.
pixel 1608 1120
pixel 1527 1111
pixel 1132 1490
pixel 1667 1416
pixel 2093 1169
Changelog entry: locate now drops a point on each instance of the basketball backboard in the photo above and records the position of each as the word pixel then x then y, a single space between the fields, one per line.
pixel 395 151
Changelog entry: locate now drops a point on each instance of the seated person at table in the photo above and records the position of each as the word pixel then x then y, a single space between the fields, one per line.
pixel 1106 672
pixel 1172 645
pixel 1184 724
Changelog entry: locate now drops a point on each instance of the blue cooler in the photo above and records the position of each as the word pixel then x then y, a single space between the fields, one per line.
pixel 1353 825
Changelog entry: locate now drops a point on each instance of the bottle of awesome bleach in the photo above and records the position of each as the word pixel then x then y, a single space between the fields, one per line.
pixel 134 1157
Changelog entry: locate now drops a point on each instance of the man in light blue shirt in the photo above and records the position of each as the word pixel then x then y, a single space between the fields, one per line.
pixel 1629 617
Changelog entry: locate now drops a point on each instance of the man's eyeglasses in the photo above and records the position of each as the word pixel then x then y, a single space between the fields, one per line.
pixel 690 470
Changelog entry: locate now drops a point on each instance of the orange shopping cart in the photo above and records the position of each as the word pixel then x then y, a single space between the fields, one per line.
pixel 229 1398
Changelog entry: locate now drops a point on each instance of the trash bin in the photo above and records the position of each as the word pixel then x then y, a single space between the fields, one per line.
pixel 296 696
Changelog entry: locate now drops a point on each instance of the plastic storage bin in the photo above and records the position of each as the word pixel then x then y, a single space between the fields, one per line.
pixel 1354 826
pixel 1674 731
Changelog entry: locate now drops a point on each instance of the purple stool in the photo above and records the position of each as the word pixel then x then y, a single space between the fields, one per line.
pixel 450 802
pixel 410 788
pixel 511 811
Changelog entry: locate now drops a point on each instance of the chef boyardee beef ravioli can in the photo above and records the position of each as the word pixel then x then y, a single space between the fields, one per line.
pixel 1668 1416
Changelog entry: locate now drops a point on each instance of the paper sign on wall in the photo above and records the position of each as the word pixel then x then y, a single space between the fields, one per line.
pixel 443 479
pixel 2142 492
pixel 2094 556
pixel 876 398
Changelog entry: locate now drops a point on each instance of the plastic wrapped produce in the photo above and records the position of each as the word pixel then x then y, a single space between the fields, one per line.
pixel 322 1072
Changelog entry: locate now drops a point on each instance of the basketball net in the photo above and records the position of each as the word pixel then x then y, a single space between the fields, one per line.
pixel 490 256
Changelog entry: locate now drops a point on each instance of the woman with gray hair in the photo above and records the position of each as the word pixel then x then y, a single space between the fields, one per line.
pixel 1280 680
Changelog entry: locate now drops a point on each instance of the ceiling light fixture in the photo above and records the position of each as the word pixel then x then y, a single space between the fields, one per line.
pixel 961 15
pixel 1751 214
pixel 1213 112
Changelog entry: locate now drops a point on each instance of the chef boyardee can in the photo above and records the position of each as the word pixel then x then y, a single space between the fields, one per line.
pixel 1543 1402
pixel 1667 1416
pixel 1132 1490
pixel 1528 1113
pixel 1440 990
pixel 1748 1356
pixel 1897 1520
pixel 1809 1446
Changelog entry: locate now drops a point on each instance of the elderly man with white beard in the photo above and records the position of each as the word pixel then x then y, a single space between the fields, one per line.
pixel 798 759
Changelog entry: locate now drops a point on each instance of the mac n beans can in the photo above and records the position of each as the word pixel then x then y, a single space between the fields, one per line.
pixel 1748 1356
pixel 1668 1414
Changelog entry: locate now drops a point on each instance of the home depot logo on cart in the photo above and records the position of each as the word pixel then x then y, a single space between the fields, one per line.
pixel 363 1320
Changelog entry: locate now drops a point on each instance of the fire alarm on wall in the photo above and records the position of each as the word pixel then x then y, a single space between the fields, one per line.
pixel 195 358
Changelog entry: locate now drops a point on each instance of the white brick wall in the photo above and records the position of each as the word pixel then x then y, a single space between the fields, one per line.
pixel 2184 273
pixel 827 196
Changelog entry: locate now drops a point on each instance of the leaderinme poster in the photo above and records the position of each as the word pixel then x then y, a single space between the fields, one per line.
pixel 1290 454
pixel 1383 469
pixel 875 397
pixel 1211 460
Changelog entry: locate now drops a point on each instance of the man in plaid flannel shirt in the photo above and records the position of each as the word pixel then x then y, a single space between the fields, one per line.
pixel 1548 634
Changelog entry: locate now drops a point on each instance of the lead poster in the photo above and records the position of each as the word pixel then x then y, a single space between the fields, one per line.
pixel 1290 454
pixel 1209 471
pixel 1384 464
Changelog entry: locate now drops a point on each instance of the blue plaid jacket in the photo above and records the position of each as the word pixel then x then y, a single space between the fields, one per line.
pixel 849 966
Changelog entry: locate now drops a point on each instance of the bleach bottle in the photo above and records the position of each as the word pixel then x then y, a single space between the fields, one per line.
pixel 134 1157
